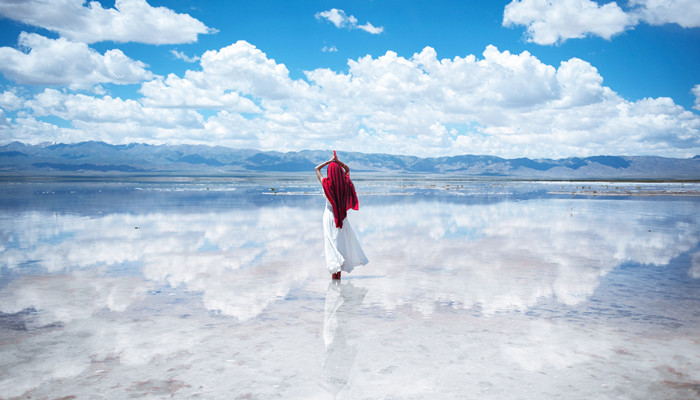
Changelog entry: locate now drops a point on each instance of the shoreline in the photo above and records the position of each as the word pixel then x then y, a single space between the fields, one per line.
pixel 302 176
pixel 625 194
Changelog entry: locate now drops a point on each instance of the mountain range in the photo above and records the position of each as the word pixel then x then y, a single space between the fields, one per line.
pixel 98 158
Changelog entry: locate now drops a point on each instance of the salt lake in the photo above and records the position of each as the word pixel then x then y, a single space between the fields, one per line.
pixel 476 289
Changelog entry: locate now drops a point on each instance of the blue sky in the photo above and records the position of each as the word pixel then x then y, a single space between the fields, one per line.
pixel 529 78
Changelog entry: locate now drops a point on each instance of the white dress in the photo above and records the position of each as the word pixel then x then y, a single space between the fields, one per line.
pixel 343 250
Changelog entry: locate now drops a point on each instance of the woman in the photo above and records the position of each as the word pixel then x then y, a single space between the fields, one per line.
pixel 343 250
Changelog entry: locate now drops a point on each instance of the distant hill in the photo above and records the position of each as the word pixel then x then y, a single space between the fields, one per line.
pixel 94 158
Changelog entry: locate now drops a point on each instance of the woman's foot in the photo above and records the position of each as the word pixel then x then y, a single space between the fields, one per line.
pixel 336 275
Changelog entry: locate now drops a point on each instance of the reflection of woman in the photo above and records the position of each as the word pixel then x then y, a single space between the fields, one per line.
pixel 343 250
pixel 342 301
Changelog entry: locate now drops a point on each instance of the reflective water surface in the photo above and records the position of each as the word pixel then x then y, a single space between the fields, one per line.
pixel 216 288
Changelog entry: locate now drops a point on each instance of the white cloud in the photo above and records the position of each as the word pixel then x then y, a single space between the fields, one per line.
pixel 696 92
pixel 184 57
pixel 503 104
pixel 550 22
pixel 103 118
pixel 4 122
pixel 514 102
pixel 63 62
pixel 685 13
pixel 375 30
pixel 10 101
pixel 341 20
pixel 28 129
pixel 337 17
pixel 128 21
pixel 580 84
pixel 244 68
pixel 233 79
pixel 329 49
pixel 80 107
pixel 176 92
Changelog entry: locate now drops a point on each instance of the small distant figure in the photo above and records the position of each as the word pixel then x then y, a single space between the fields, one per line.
pixel 343 250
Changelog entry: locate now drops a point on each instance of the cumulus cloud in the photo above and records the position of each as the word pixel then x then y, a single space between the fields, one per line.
pixel 337 18
pixel 10 101
pixel 4 122
pixel 368 27
pixel 79 107
pixel 696 93
pixel 184 57
pixel 229 79
pixel 45 61
pixel 685 13
pixel 499 103
pixel 551 22
pixel 128 21
pixel 28 129
pixel 245 68
pixel 176 92
pixel 341 20
pixel 496 104
pixel 102 118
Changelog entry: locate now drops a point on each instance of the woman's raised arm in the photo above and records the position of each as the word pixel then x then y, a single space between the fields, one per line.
pixel 319 175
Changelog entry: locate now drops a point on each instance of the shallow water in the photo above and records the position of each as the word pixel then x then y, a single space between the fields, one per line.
pixel 204 288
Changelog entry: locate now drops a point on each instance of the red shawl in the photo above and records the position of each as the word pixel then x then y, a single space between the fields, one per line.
pixel 340 192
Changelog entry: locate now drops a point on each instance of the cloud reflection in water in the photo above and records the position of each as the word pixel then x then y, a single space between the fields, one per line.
pixel 507 256
pixel 502 256
pixel 91 293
